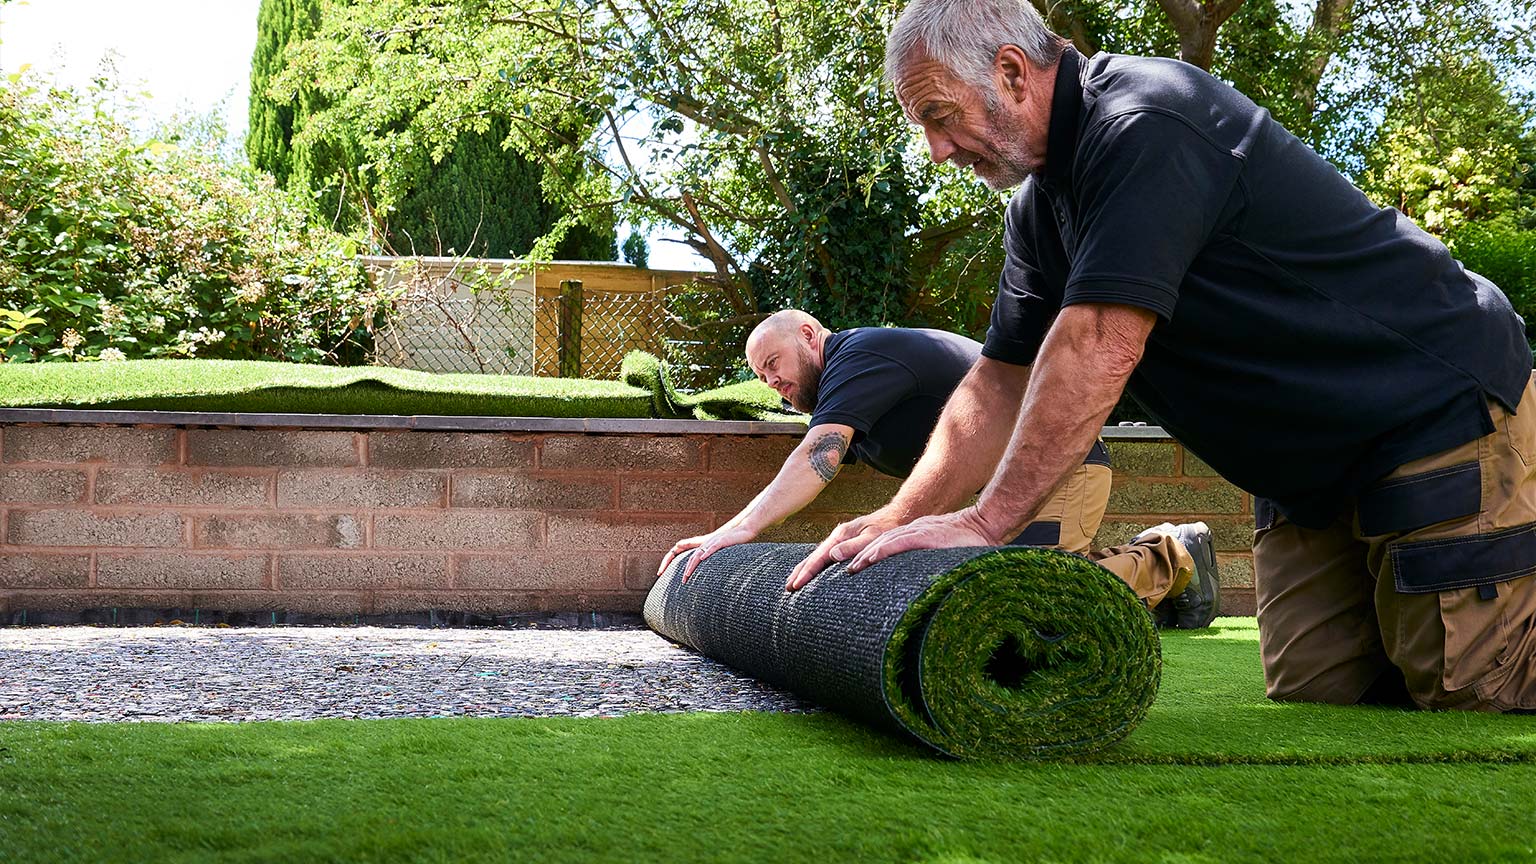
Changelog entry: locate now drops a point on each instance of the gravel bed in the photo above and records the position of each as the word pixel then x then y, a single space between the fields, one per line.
pixel 178 673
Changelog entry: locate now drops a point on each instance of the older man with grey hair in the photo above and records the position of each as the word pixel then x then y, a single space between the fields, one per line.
pixel 1170 239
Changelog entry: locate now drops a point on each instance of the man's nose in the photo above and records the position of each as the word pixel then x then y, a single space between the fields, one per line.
pixel 940 148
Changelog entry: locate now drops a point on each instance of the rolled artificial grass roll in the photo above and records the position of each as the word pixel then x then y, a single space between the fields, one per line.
pixel 1010 653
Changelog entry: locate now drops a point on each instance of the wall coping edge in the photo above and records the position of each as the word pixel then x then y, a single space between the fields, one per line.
pixel 443 423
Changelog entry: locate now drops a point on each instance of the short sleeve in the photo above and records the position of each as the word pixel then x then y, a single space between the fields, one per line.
pixel 859 387
pixel 1151 192
pixel 1025 304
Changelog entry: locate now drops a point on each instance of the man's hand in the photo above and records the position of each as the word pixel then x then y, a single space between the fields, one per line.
pixel 845 541
pixel 947 531
pixel 707 544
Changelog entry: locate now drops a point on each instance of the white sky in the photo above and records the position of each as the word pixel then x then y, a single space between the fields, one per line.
pixel 192 56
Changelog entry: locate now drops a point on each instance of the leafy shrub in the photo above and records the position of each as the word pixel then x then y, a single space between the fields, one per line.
pixel 1506 254
pixel 133 245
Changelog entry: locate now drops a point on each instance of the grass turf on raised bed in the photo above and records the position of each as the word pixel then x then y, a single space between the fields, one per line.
pixel 1253 782
pixel 265 387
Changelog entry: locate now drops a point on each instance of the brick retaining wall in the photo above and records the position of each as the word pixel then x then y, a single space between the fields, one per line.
pixel 388 522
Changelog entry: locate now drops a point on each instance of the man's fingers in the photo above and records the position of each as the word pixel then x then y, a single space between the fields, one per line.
pixel 677 549
pixel 699 555
pixel 813 564
pixel 806 570
pixel 851 548
pixel 882 547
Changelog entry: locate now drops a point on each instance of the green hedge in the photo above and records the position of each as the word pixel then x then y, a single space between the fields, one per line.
pixel 127 244
pixel 1505 253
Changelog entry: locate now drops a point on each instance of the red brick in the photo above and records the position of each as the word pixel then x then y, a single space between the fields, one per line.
pixel 1194 466
pixel 89 444
pixel 180 487
pixel 362 571
pixel 449 450
pixel 63 600
pixel 805 528
pixel 632 532
pixel 1236 572
pixel 479 602
pixel 640 571
pixel 360 487
pixel 339 603
pixel 1178 500
pixel 543 491
pixel 280 531
pixel 1143 458
pixel 264 447
pixel 26 570
pixel 852 491
pixel 457 529
pixel 547 572
pixel 41 486
pixel 751 454
pixel 89 528
pixel 619 452
pixel 181 570
pixel 689 493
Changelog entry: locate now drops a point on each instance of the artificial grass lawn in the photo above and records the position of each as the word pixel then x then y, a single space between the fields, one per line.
pixel 1250 782
pixel 265 387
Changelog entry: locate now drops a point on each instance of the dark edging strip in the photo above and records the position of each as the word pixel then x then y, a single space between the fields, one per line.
pixel 431 618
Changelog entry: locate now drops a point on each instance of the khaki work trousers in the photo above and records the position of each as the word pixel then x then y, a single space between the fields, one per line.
pixel 1422 590
pixel 1155 567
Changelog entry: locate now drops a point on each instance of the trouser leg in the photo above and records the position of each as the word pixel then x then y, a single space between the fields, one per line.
pixel 1318 633
pixel 1457 597
pixel 1155 567
pixel 1071 517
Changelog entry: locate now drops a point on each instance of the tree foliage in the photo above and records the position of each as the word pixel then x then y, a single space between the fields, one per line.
pixel 115 245
pixel 759 132
pixel 471 197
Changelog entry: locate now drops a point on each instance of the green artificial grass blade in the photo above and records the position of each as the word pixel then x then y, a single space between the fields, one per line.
pixel 747 400
pixel 1250 781
pixel 704 788
pixel 1024 652
pixel 1014 653
pixel 279 388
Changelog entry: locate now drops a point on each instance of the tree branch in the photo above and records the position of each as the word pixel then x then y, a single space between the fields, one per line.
pixel 779 191
pixel 1329 20
pixel 1065 23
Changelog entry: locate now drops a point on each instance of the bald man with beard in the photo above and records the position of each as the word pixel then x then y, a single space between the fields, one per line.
pixel 875 395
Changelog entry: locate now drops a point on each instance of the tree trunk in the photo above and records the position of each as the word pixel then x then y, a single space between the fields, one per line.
pixel 1329 20
pixel 1197 22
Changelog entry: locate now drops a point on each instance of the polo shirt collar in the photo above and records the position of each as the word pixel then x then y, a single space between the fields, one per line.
pixel 1066 112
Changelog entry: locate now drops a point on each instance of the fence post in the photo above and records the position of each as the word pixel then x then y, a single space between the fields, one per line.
pixel 569 333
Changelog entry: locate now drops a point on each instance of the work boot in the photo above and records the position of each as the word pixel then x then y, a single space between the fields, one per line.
pixel 1199 604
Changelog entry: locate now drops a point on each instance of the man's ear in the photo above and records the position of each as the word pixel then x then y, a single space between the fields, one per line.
pixel 1012 71
pixel 808 333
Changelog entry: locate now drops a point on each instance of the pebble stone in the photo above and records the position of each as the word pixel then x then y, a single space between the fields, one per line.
pixel 183 673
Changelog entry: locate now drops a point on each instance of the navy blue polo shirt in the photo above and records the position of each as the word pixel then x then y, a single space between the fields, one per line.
pixel 890 385
pixel 1307 341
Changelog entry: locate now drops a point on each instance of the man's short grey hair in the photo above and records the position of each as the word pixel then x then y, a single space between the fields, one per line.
pixel 965 35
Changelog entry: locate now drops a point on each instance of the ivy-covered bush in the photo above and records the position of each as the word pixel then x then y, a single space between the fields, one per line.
pixel 1505 252
pixel 115 243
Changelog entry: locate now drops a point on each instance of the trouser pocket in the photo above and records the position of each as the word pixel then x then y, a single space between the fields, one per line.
pixel 1478 579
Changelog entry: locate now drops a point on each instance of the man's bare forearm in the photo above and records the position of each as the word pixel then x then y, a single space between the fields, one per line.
pixel 965 447
pixel 803 475
pixel 1079 376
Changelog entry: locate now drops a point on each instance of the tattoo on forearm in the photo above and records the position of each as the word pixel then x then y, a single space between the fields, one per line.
pixel 827 455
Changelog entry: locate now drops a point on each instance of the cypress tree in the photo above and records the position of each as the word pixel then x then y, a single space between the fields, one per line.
pixel 479 200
